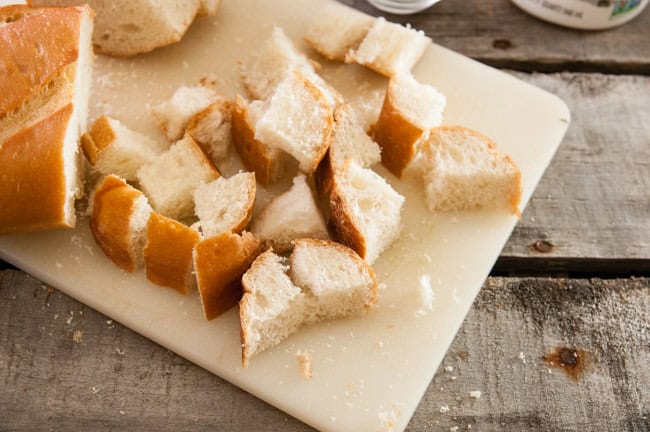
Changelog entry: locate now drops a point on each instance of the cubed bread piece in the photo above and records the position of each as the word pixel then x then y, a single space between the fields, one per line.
pixel 326 280
pixel 46 64
pixel 337 283
pixel 464 170
pixel 389 48
pixel 297 120
pixel 365 211
pixel 112 148
pixel 174 114
pixel 168 253
pixel 225 204
pixel 219 263
pixel 274 61
pixel 272 307
pixel 289 216
pixel 367 106
pixel 337 30
pixel 349 141
pixel 211 129
pixel 119 216
pixel 130 27
pixel 410 109
pixel 267 162
pixel 169 180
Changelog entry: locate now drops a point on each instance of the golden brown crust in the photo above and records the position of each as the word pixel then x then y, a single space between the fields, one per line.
pixel 361 263
pixel 168 253
pixel 35 45
pixel 219 263
pixel 243 307
pixel 32 187
pixel 396 135
pixel 324 177
pixel 99 136
pixel 342 225
pixel 203 156
pixel 250 203
pixel 112 207
pixel 267 164
pixel 515 198
pixel 244 323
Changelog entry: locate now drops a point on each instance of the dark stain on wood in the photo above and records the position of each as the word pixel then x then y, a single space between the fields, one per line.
pixel 570 360
pixel 502 44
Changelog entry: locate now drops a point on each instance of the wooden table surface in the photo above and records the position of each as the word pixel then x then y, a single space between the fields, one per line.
pixel 571 286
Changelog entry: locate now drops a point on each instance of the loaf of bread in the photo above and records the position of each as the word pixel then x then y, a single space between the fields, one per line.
pixel 365 211
pixel 126 28
pixel 112 148
pixel 168 253
pixel 291 215
pixel 219 263
pixel 267 162
pixel 225 204
pixel 410 109
pixel 462 170
pixel 46 63
pixel 324 280
pixel 170 179
pixel 119 217
pixel 390 48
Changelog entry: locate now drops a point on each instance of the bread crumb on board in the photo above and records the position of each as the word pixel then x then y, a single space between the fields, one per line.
pixel 77 336
pixel 476 394
pixel 427 296
pixel 305 363
pixel 387 419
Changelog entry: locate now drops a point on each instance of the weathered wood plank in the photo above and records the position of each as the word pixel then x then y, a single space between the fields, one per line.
pixel 498 33
pixel 593 200
pixel 113 379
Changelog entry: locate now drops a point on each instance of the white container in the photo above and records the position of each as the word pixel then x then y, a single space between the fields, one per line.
pixel 584 14
pixel 402 7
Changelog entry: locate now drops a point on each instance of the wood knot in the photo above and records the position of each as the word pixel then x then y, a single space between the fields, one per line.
pixel 542 246
pixel 502 44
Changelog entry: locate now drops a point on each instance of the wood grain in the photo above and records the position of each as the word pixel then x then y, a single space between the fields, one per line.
pixel 498 33
pixel 591 211
pixel 114 379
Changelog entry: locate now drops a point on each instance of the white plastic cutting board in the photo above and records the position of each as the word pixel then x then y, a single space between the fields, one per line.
pixel 368 373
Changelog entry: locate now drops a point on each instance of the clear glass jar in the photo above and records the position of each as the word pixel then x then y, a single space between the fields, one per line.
pixel 402 7
pixel 584 14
